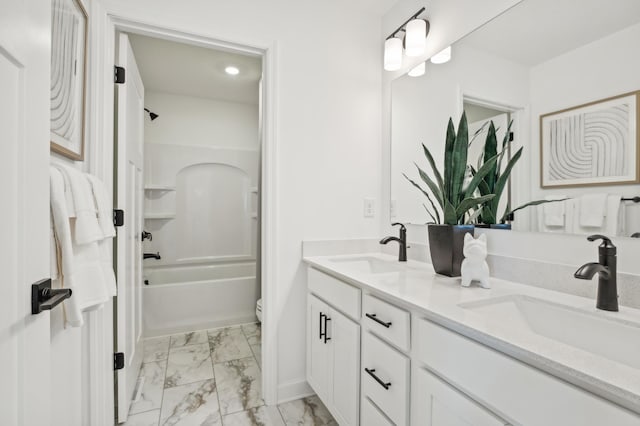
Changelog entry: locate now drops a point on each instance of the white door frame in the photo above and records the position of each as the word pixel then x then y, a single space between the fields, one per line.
pixel 268 175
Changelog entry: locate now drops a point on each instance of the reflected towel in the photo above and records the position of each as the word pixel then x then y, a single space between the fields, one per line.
pixel 593 208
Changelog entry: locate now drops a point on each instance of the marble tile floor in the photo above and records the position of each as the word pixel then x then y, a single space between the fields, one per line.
pixel 213 377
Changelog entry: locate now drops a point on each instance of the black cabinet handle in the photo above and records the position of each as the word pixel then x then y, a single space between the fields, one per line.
pixel 326 337
pixel 371 372
pixel 44 298
pixel 375 318
pixel 321 334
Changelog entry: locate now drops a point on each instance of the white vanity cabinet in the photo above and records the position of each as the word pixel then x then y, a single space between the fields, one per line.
pixel 333 346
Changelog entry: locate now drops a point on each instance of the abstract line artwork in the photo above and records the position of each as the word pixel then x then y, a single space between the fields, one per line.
pixel 591 144
pixel 68 45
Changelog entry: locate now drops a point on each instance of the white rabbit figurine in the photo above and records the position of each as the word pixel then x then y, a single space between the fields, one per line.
pixel 474 266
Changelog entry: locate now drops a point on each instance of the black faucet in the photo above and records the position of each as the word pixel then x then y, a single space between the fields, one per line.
pixel 606 268
pixel 402 255
pixel 151 256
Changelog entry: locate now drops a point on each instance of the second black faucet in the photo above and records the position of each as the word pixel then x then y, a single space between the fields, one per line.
pixel 402 240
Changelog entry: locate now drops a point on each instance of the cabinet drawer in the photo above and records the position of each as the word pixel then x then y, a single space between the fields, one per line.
pixel 344 297
pixel 385 378
pixel 518 392
pixel 371 416
pixel 387 321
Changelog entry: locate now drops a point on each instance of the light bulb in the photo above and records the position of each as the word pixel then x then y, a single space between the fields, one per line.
pixel 417 71
pixel 416 37
pixel 442 56
pixel 231 70
pixel 393 54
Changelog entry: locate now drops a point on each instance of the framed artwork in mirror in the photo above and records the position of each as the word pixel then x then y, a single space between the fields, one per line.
pixel 593 144
pixel 69 30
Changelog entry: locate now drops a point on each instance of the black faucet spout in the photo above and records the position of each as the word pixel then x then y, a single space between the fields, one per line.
pixel 151 256
pixel 402 241
pixel 588 271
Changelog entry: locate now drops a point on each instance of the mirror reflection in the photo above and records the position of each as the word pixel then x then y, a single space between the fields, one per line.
pixel 558 79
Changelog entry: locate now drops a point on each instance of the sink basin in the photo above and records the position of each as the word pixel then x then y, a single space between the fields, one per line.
pixel 617 340
pixel 369 264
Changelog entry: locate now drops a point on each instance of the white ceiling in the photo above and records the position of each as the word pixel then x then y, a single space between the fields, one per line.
pixel 183 69
pixel 535 31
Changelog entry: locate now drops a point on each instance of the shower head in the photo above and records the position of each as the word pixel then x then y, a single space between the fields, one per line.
pixel 152 115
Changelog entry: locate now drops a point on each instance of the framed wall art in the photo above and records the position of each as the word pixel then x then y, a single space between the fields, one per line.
pixel 69 32
pixel 592 144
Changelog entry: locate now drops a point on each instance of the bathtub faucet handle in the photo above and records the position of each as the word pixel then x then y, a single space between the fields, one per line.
pixel 147 236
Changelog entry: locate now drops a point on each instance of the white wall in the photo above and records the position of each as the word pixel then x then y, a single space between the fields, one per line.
pixel 327 131
pixel 187 120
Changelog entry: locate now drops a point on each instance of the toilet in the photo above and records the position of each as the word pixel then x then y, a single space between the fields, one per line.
pixel 259 310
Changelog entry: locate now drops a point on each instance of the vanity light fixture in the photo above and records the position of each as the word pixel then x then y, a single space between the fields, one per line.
pixel 393 54
pixel 414 41
pixel 442 56
pixel 418 70
pixel 231 70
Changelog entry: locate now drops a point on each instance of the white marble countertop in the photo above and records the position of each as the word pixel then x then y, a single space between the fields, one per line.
pixel 437 298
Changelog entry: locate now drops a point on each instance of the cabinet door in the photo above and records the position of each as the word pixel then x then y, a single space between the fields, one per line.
pixel 345 343
pixel 318 349
pixel 437 403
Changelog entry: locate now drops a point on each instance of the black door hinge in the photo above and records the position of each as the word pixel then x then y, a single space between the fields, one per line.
pixel 118 217
pixel 118 75
pixel 510 136
pixel 118 361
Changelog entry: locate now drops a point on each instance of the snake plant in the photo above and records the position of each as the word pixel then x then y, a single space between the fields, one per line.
pixel 453 197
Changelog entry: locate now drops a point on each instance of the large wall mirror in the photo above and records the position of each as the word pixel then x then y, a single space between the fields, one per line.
pixel 566 75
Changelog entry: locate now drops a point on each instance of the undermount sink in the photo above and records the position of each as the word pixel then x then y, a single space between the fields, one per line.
pixel 617 340
pixel 369 264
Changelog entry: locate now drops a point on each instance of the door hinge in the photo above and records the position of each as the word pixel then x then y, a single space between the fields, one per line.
pixel 118 75
pixel 510 136
pixel 118 217
pixel 118 361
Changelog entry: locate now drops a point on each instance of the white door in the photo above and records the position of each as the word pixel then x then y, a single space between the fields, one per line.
pixel 439 404
pixel 318 349
pixel 25 355
pixel 345 345
pixel 130 134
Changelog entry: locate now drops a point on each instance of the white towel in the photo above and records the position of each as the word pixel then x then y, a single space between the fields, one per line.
pixel 593 209
pixel 554 213
pixel 103 205
pixel 79 266
pixel 87 229
pixel 614 224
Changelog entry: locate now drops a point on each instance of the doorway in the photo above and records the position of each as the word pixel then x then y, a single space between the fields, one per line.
pixel 201 207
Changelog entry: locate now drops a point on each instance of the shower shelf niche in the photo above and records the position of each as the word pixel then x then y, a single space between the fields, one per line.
pixel 159 216
pixel 159 188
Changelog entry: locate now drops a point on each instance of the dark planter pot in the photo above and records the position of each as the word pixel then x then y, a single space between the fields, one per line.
pixel 446 243
pixel 506 226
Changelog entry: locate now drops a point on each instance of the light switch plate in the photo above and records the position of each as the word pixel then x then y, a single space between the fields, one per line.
pixel 369 207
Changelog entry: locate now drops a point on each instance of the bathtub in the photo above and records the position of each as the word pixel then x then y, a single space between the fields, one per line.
pixel 194 297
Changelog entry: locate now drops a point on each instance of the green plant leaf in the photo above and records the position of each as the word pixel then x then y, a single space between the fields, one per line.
pixel 529 204
pixel 432 186
pixel 426 194
pixel 436 172
pixel 448 158
pixel 459 160
pixel 475 215
pixel 505 142
pixel 429 213
pixel 479 176
pixel 450 217
pixel 469 203
pixel 502 181
pixel 490 151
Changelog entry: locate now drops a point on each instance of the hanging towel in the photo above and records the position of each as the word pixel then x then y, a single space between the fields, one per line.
pixel 554 213
pixel 105 219
pixel 593 208
pixel 103 205
pixel 614 215
pixel 86 227
pixel 79 266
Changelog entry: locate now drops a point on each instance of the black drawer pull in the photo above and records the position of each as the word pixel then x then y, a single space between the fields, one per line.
pixel 326 337
pixel 321 335
pixel 371 372
pixel 375 318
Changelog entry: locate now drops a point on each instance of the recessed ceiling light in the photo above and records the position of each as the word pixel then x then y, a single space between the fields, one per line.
pixel 231 70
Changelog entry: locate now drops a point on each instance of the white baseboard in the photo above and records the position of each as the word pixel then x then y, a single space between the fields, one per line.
pixel 294 390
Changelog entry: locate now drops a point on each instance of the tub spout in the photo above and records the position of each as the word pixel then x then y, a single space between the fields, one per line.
pixel 151 256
